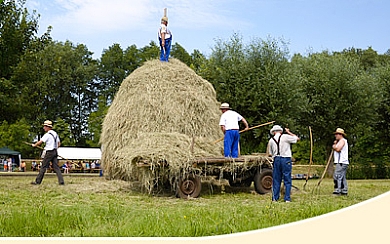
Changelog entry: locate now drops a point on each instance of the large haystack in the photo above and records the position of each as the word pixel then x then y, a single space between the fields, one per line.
pixel 162 112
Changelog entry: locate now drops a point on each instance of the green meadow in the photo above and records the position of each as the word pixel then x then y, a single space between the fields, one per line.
pixel 95 207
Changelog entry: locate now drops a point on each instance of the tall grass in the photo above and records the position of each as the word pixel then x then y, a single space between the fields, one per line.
pixel 95 207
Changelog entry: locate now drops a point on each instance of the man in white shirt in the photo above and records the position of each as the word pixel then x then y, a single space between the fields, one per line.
pixel 229 126
pixel 165 39
pixel 52 142
pixel 340 155
pixel 280 149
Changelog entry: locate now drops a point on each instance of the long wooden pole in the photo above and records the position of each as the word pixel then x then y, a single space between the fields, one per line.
pixel 326 168
pixel 251 128
pixel 311 157
pixel 44 149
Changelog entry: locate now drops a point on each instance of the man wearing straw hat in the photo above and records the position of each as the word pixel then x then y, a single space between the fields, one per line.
pixel 280 149
pixel 340 155
pixel 52 142
pixel 165 38
pixel 229 125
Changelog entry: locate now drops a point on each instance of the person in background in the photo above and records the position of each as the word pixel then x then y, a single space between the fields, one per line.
pixel 87 167
pixel 10 165
pixel 93 165
pixel 229 126
pixel 23 166
pixel 340 155
pixel 65 167
pixel 280 149
pixel 165 39
pixel 34 166
pixel 5 165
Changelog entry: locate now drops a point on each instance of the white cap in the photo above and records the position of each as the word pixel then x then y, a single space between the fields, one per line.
pixel 48 123
pixel 276 128
pixel 225 106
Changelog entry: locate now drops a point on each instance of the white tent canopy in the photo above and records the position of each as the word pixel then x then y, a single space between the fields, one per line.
pixel 79 153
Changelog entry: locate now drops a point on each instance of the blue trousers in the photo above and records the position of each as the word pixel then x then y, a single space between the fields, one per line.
pixel 230 143
pixel 166 50
pixel 282 168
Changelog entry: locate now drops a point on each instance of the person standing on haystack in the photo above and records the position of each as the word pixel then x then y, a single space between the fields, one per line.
pixel 52 142
pixel 340 155
pixel 280 149
pixel 229 125
pixel 165 38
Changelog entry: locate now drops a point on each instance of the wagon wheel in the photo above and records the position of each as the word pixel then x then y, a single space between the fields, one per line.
pixel 263 181
pixel 189 186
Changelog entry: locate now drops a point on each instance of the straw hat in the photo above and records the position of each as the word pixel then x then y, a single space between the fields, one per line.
pixel 225 106
pixel 165 19
pixel 340 131
pixel 48 123
pixel 276 128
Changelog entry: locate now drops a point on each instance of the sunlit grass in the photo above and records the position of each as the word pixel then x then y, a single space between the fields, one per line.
pixel 96 207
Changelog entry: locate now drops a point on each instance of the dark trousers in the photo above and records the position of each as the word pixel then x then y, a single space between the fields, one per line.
pixel 51 156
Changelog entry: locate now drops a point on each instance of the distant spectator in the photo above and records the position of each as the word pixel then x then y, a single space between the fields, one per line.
pixel 34 166
pixel 80 165
pixel 65 167
pixel 5 163
pixel 23 166
pixel 9 165
pixel 97 164
pixel 69 165
pixel 87 167
pixel 93 165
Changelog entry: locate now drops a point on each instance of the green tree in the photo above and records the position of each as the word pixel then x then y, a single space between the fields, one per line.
pixel 180 53
pixel 198 61
pixel 255 79
pixel 339 94
pixel 95 122
pixel 17 31
pixel 15 135
pixel 114 66
pixel 58 82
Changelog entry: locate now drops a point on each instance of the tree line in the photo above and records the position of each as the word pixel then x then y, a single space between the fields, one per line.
pixel 41 78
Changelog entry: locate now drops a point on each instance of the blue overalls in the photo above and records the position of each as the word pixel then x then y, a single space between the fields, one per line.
pixel 282 167
pixel 166 50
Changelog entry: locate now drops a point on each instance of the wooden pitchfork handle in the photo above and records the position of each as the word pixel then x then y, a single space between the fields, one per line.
pixel 326 167
pixel 251 128
pixel 44 149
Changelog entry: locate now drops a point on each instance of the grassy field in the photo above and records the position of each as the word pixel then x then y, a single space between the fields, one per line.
pixel 92 206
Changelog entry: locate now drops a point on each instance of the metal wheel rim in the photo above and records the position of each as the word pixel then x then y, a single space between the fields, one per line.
pixel 188 187
pixel 266 182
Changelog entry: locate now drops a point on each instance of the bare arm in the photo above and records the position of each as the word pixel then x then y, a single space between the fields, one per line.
pixel 338 145
pixel 162 39
pixel 291 134
pixel 223 129
pixel 37 144
pixel 245 123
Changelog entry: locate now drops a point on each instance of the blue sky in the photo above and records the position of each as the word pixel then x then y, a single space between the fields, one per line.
pixel 307 25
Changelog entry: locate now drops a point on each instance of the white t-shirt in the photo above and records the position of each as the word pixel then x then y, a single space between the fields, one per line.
pixel 342 156
pixel 230 120
pixel 164 29
pixel 51 140
pixel 284 145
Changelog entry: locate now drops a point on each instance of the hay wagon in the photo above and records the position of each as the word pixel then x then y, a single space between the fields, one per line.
pixel 240 172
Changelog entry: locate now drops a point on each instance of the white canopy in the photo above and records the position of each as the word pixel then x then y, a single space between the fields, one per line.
pixel 79 153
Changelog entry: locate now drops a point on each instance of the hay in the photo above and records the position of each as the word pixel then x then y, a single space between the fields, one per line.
pixel 155 115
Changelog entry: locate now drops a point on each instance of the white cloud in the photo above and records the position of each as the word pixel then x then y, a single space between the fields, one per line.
pixel 103 16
